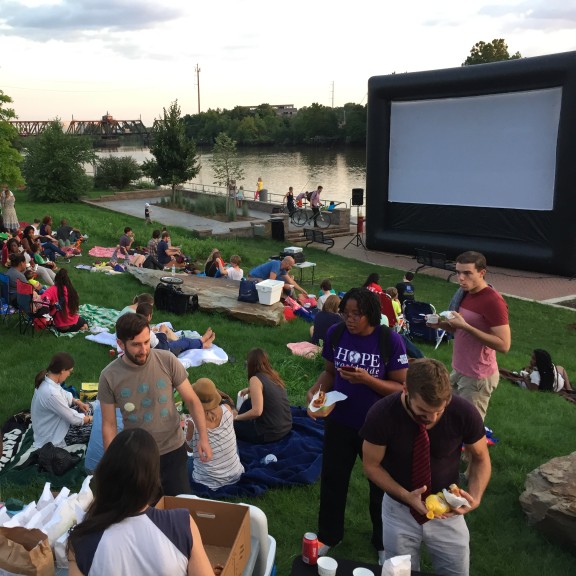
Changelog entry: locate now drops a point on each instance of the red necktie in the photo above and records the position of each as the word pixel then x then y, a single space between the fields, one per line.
pixel 421 474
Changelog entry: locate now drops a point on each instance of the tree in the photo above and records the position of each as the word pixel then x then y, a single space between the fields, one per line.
pixel 225 163
pixel 494 51
pixel 117 173
pixel 54 165
pixel 175 154
pixel 10 158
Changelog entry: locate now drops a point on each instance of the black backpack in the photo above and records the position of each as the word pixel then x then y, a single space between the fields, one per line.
pixel 385 340
pixel 171 299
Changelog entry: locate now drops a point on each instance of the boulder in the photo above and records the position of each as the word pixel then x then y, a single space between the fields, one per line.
pixel 549 500
pixel 217 295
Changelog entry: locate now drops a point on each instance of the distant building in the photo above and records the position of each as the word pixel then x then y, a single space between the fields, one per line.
pixel 283 110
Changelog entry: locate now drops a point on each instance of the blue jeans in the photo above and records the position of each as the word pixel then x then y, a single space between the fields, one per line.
pixel 51 250
pixel 447 541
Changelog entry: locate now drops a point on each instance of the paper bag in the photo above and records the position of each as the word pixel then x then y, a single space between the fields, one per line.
pixel 397 566
pixel 26 552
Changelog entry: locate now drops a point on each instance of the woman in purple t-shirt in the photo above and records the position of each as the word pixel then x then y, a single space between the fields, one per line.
pixel 355 367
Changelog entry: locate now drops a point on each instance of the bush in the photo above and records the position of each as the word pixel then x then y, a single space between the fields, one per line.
pixel 112 172
pixel 144 185
pixel 205 206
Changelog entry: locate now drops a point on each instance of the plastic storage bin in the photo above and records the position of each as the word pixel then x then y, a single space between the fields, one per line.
pixel 269 291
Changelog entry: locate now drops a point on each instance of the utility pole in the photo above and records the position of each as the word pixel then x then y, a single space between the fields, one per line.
pixel 197 70
pixel 332 93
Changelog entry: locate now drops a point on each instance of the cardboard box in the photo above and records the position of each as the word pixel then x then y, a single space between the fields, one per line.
pixel 224 527
pixel 269 291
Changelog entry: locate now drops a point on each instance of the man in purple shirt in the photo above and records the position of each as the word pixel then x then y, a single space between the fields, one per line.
pixel 392 434
pixel 354 366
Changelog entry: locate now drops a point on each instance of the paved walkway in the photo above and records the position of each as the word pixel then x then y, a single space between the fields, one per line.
pixel 544 288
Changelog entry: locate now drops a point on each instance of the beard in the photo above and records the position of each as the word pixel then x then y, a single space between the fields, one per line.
pixel 138 359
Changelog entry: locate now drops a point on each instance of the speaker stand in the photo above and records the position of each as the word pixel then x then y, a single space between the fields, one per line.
pixel 356 240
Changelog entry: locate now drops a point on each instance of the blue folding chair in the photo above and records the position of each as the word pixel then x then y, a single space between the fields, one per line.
pixel 6 310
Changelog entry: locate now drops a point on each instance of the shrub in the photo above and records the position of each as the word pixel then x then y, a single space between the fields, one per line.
pixel 112 172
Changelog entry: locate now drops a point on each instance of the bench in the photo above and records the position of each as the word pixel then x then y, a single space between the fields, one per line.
pixel 429 259
pixel 315 235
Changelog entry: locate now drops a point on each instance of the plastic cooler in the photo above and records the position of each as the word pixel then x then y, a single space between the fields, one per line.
pixel 269 291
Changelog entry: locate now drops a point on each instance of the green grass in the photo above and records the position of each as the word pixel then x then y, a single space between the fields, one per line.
pixel 532 427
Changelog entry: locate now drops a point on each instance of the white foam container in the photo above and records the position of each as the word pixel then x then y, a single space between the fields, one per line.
pixel 292 249
pixel 269 291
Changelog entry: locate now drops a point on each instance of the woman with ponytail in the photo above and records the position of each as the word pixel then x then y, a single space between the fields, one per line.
pixel 67 302
pixel 57 416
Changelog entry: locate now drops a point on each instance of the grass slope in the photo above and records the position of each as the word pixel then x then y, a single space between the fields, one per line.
pixel 532 427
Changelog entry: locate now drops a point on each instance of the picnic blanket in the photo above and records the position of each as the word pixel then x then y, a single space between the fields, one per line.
pixel 102 252
pixel 98 318
pixel 14 457
pixel 298 455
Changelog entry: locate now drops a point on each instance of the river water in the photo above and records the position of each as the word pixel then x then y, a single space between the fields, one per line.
pixel 338 171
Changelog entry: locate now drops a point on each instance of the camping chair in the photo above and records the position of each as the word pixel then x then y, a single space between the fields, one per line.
pixel 387 308
pixel 415 316
pixel 5 308
pixel 30 314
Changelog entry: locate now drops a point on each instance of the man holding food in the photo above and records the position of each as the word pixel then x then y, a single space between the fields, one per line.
pixel 364 361
pixel 412 446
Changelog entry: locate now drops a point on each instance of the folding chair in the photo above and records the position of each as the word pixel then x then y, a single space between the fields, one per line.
pixel 30 314
pixel 6 309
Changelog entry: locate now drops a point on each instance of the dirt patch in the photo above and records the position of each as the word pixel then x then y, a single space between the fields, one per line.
pixel 568 303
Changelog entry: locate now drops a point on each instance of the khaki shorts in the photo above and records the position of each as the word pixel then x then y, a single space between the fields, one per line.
pixel 475 390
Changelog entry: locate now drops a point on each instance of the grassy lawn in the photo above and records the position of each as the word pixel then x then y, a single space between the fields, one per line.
pixel 531 427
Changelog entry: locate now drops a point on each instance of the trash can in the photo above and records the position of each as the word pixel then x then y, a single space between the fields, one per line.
pixel 263 195
pixel 277 228
pixel 258 229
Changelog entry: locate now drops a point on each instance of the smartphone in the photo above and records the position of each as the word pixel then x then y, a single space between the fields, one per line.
pixel 348 368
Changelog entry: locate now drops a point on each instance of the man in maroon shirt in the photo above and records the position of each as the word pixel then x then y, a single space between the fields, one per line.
pixel 390 430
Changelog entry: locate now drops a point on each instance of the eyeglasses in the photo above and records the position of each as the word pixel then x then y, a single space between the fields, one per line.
pixel 351 315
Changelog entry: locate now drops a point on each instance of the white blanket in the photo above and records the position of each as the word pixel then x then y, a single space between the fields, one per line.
pixel 189 358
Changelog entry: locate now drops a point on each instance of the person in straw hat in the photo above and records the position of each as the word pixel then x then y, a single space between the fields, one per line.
pixel 225 467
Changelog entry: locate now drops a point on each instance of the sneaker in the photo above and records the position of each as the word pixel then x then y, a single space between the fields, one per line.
pixel 323 549
pixel 381 557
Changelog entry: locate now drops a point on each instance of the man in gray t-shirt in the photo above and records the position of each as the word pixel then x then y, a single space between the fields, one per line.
pixel 141 384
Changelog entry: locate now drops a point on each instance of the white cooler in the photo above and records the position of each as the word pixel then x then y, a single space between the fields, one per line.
pixel 269 291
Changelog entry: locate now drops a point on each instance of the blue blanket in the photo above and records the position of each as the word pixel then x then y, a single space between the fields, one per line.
pixel 299 461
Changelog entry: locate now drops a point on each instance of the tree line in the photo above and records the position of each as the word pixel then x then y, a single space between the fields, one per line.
pixel 263 126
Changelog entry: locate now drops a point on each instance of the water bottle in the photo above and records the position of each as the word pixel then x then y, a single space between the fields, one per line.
pixel 268 459
pixel 173 270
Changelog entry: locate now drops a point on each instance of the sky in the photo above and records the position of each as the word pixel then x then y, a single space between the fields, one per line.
pixel 131 58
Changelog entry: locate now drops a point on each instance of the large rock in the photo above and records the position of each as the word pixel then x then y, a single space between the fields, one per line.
pixel 549 500
pixel 217 295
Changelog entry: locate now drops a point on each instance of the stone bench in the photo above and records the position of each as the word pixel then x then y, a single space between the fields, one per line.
pixel 217 295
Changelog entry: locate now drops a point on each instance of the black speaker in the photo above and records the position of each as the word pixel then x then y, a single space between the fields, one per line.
pixel 357 196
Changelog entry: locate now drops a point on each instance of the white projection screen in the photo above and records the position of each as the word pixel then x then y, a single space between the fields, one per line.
pixel 496 151
pixel 476 158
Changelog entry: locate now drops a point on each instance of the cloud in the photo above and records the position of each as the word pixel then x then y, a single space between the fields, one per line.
pixel 70 20
pixel 536 14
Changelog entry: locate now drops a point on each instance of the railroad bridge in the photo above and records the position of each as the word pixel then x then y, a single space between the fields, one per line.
pixel 106 128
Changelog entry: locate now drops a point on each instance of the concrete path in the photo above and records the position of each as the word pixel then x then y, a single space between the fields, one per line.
pixel 544 288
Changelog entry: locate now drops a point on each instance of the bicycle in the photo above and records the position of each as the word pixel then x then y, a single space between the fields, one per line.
pixel 301 217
